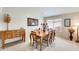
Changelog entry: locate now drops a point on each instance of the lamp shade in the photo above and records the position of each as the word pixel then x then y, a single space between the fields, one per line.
pixel 7 18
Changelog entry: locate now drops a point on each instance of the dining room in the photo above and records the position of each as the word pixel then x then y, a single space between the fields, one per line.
pixel 39 28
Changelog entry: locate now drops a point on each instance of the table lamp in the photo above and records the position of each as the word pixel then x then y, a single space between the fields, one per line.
pixel 7 19
pixel 77 33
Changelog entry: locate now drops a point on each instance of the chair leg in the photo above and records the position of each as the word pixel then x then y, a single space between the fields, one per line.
pixel 50 41
pixel 33 43
pixel 47 42
pixel 36 44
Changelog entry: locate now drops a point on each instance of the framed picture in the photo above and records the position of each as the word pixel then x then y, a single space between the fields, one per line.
pixel 67 22
pixel 32 22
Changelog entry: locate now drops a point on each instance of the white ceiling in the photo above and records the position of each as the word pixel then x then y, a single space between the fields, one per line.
pixel 46 11
pixel 52 11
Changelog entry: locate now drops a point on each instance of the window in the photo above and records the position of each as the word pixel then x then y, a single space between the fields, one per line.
pixel 55 24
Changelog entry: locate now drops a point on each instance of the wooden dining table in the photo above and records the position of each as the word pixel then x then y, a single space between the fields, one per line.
pixel 40 33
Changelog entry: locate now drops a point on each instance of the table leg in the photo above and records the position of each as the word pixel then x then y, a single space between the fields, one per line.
pixel 3 44
pixel 40 44
pixel 3 39
pixel 23 38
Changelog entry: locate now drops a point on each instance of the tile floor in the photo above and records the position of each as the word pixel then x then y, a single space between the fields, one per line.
pixel 58 45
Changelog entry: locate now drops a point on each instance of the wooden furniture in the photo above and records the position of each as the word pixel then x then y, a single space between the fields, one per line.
pixel 44 25
pixel 34 38
pixel 11 34
pixel 39 35
pixel 51 36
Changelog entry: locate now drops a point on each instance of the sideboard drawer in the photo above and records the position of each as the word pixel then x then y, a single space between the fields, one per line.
pixel 9 34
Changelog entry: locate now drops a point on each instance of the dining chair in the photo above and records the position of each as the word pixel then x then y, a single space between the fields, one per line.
pixel 34 39
pixel 52 36
pixel 52 39
pixel 47 38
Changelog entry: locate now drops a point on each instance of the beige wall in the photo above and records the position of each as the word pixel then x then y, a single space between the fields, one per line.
pixel 19 19
pixel 74 19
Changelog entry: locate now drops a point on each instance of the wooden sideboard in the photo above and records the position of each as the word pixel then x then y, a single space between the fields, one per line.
pixel 4 35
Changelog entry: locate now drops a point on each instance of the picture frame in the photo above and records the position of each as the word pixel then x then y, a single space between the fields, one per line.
pixel 32 22
pixel 67 22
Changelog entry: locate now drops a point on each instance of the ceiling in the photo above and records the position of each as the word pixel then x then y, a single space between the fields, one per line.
pixel 52 11
pixel 45 11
